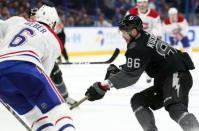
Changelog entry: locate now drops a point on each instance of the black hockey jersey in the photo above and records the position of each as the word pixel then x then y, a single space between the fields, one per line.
pixel 150 54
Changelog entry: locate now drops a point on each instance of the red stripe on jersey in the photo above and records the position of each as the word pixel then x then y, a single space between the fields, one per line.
pixel 19 52
pixel 64 117
pixel 44 117
pixel 54 88
pixel 179 17
pixel 58 39
pixel 153 13
pixel 133 10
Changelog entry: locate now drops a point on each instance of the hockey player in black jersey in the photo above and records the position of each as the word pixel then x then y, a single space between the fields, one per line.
pixel 168 66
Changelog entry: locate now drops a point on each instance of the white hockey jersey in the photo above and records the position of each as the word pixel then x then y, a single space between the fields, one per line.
pixel 179 27
pixel 29 41
pixel 151 21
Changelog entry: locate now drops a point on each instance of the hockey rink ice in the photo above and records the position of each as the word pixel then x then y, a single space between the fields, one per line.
pixel 113 112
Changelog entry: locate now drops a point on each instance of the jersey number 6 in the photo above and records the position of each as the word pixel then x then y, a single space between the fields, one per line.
pixel 21 37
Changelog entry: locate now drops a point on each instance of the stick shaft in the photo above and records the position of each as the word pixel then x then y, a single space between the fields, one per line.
pixel 15 115
pixel 110 60
pixel 79 102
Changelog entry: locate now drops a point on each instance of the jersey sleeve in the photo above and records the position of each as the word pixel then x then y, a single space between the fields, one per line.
pixel 136 62
pixel 184 27
pixel 157 29
pixel 4 24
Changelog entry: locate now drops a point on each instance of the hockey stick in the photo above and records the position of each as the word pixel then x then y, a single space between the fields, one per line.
pixel 79 102
pixel 113 57
pixel 110 60
pixel 15 115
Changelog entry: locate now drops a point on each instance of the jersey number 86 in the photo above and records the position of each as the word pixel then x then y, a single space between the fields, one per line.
pixel 135 63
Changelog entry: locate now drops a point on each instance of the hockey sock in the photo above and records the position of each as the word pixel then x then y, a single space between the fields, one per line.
pixel 61 87
pixel 146 118
pixel 178 112
pixel 43 124
pixel 38 121
pixel 33 115
pixel 188 122
pixel 59 116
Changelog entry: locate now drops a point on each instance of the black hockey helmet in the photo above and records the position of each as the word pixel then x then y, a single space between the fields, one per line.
pixel 32 11
pixel 130 22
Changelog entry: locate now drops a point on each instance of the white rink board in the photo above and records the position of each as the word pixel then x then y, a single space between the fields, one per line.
pixel 86 39
pixel 113 113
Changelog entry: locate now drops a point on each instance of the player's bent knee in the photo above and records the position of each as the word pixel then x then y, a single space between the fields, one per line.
pixel 176 110
pixel 137 101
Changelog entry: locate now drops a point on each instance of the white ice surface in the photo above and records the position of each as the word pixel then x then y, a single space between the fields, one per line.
pixel 113 112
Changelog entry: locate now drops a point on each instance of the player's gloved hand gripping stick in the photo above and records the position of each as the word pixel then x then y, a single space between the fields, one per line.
pixel 94 92
pixel 98 89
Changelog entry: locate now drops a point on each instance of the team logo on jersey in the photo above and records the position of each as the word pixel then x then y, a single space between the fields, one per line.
pixel 100 37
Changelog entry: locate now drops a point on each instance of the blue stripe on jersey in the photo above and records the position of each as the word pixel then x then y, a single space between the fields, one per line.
pixel 44 126
pixel 22 55
pixel 66 126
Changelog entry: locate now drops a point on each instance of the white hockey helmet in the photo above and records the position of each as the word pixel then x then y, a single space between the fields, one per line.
pixel 142 1
pixel 47 15
pixel 172 11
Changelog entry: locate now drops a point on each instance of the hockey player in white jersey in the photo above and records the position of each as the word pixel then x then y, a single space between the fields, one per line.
pixel 56 73
pixel 177 28
pixel 28 51
pixel 150 17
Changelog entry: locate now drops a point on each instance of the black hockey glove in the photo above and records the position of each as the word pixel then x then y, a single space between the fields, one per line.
pixel 96 91
pixel 111 70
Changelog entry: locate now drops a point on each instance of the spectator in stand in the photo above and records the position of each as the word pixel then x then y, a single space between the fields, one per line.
pixel 196 21
pixel 77 9
pixel 70 21
pixel 177 28
pixel 102 22
pixel 85 21
pixel 5 13
pixel 123 4
pixel 117 16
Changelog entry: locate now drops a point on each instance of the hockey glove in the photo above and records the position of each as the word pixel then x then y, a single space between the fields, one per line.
pixel 111 70
pixel 96 91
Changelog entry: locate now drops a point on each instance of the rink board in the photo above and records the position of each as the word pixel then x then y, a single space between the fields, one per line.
pixel 93 41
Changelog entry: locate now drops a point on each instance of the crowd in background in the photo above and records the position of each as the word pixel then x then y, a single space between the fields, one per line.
pixel 99 12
